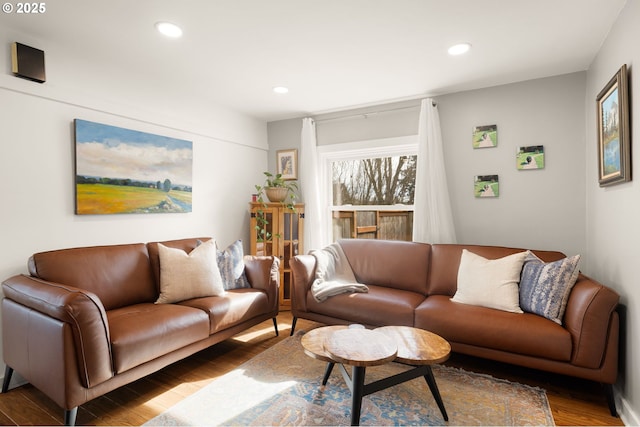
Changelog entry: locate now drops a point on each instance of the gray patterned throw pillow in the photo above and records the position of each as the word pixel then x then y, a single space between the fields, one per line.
pixel 545 287
pixel 231 265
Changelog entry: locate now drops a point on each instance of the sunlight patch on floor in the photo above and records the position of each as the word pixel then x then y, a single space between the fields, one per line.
pixel 253 334
pixel 259 390
pixel 167 399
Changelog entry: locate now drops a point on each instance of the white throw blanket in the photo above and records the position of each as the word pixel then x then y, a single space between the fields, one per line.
pixel 333 274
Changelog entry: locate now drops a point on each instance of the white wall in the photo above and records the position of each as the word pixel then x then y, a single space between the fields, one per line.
pixel 537 209
pixel 283 134
pixel 613 228
pixel 359 125
pixel 365 124
pixel 37 158
pixel 540 209
pixel 37 171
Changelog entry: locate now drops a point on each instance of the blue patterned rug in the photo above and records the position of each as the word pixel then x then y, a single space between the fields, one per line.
pixel 281 386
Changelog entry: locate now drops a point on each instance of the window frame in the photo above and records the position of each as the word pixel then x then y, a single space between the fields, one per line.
pixel 383 147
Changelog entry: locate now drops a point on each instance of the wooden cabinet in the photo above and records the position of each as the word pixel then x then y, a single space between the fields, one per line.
pixel 280 235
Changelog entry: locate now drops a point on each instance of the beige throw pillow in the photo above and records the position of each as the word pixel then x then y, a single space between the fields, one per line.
pixel 184 276
pixel 490 283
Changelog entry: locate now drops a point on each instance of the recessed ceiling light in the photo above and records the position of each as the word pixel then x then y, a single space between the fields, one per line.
pixel 168 29
pixel 459 49
pixel 280 90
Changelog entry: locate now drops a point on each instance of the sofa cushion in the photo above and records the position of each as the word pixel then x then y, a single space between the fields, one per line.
pixel 527 334
pixel 545 287
pixel 490 283
pixel 380 306
pixel 231 265
pixel 405 266
pixel 143 332
pixel 188 275
pixel 234 307
pixel 119 274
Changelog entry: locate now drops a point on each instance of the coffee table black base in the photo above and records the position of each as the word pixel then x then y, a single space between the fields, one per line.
pixel 359 389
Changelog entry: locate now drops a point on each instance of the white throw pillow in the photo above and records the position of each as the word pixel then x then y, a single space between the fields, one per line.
pixel 184 276
pixel 490 283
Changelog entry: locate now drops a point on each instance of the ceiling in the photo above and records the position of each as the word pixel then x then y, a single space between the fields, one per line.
pixel 331 54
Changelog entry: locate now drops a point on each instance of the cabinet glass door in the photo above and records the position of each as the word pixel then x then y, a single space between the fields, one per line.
pixel 290 244
pixel 263 229
pixel 278 231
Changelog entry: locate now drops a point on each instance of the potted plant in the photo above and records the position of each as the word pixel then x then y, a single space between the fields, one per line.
pixel 277 190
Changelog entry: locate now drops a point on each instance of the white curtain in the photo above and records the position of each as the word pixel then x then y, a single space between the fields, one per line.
pixel 432 219
pixel 310 187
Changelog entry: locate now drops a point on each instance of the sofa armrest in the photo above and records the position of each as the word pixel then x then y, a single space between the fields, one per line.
pixel 303 273
pixel 77 307
pixel 263 272
pixel 589 312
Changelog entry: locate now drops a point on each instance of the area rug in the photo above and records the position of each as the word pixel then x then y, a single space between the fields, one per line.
pixel 282 386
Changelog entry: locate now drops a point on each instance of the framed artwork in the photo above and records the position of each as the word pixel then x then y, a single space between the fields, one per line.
pixel 531 157
pixel 126 171
pixel 614 160
pixel 486 186
pixel 287 164
pixel 485 136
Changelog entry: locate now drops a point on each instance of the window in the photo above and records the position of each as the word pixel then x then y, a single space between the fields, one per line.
pixel 374 181
pixel 370 186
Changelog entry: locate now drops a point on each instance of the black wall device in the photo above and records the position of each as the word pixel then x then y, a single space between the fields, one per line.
pixel 27 62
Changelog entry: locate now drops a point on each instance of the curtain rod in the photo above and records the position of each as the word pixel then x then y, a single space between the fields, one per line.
pixel 371 113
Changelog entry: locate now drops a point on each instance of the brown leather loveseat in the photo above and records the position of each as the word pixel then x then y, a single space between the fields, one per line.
pixel 84 321
pixel 412 284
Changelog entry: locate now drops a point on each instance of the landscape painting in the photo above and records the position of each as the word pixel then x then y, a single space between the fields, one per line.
pixel 120 171
pixel 614 142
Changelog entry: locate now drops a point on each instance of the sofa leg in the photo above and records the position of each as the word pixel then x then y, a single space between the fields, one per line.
pixel 275 325
pixel 608 391
pixel 8 372
pixel 293 326
pixel 70 416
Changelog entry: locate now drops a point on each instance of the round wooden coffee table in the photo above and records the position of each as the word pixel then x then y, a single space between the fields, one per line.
pixel 359 348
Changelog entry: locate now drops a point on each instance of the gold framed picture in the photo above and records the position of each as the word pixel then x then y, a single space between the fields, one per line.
pixel 614 160
pixel 287 164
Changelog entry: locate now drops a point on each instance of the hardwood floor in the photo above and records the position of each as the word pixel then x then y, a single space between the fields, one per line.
pixel 572 401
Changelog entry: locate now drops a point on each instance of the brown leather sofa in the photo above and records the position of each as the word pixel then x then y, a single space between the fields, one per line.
pixel 84 322
pixel 412 284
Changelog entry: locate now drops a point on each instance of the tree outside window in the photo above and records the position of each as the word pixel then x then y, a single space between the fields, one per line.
pixel 375 181
pixel 373 197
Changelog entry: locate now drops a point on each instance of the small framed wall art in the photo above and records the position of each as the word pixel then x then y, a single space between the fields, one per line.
pixel 614 160
pixel 485 136
pixel 531 157
pixel 287 164
pixel 486 186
